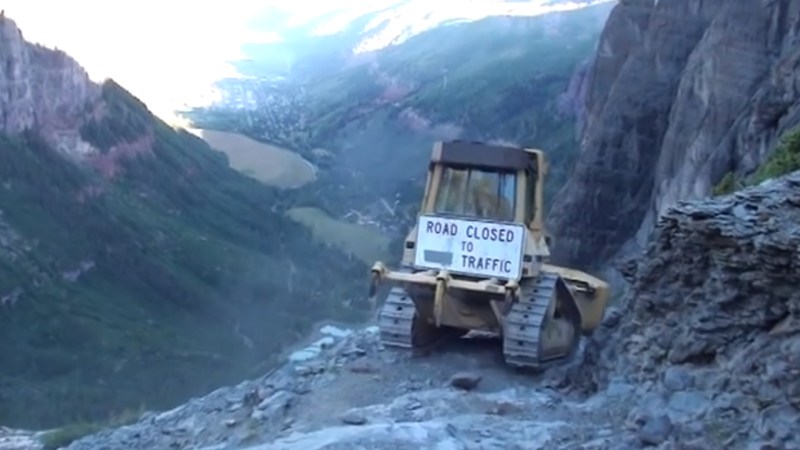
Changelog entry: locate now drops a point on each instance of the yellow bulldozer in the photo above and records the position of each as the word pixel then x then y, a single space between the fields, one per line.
pixel 478 259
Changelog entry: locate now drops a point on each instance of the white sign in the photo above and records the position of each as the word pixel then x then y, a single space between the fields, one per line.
pixel 470 247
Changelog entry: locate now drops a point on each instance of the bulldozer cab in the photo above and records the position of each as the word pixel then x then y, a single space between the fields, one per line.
pixel 480 215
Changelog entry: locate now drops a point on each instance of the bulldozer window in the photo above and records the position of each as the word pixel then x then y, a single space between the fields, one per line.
pixel 479 193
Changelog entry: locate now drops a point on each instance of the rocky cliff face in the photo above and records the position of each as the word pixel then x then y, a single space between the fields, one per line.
pixel 680 93
pixel 712 321
pixel 42 89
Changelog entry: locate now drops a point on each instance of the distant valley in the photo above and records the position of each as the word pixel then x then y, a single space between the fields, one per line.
pixel 286 169
pixel 367 121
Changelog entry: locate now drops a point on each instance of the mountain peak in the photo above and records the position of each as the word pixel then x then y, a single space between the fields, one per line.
pixel 43 88
pixel 396 25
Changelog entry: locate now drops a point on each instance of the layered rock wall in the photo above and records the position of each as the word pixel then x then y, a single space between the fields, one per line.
pixel 714 313
pixel 680 93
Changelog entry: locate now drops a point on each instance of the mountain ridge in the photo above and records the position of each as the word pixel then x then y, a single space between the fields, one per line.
pixel 384 24
pixel 129 247
pixel 43 88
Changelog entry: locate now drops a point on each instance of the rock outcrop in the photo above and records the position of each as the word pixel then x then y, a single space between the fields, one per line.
pixel 712 321
pixel 572 102
pixel 19 440
pixel 42 89
pixel 681 92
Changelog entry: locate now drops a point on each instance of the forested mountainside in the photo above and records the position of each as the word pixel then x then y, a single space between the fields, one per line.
pixel 367 120
pixel 136 268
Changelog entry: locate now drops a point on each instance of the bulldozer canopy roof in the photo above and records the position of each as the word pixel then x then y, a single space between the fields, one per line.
pixel 476 154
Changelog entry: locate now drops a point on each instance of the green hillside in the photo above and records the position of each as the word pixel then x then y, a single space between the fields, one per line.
pixel 164 282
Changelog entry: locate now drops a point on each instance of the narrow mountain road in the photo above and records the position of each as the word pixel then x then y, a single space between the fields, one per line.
pixel 460 397
pixel 348 392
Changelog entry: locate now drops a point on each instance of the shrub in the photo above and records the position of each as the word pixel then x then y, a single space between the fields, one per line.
pixel 785 159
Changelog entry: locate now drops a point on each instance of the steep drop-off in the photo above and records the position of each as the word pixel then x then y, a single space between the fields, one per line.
pixel 703 354
pixel 136 267
pixel 679 94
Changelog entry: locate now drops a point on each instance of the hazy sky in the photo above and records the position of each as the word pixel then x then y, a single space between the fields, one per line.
pixel 163 51
pixel 169 51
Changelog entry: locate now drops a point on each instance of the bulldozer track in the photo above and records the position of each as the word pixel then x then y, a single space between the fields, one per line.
pixel 396 319
pixel 401 328
pixel 524 325
pixel 526 321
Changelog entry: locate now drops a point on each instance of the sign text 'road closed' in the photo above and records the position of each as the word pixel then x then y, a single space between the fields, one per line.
pixel 470 247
